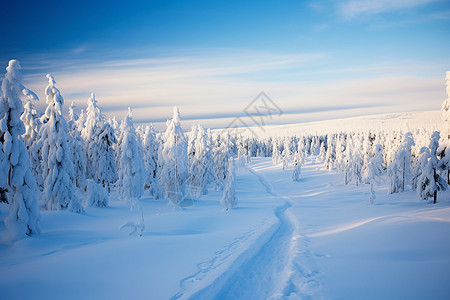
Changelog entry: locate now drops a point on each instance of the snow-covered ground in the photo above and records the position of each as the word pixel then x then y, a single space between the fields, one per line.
pixel 314 239
pixel 406 121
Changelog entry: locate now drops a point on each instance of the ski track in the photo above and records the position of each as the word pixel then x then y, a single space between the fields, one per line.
pixel 277 265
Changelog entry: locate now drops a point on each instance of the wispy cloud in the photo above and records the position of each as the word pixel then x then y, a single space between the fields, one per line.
pixel 214 88
pixel 354 8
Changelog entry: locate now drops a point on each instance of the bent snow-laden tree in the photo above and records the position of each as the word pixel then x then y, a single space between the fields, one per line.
pixel 98 148
pixel 131 166
pixel 17 184
pixel 172 160
pixel 57 165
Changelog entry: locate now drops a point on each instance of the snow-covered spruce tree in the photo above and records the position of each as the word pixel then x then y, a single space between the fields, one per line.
pixel 322 153
pixel 297 166
pixel 356 168
pixel 31 137
pixel 31 122
pixel 400 168
pixel 419 164
pixel 77 142
pixel 371 167
pixel 98 148
pixel 444 160
pixel 377 162
pixel 430 182
pixel 446 107
pixel 17 184
pixel 275 152
pixel 80 122
pixel 229 199
pixel 131 166
pixel 221 154
pixel 150 150
pixel 172 161
pixel 200 171
pixel 191 144
pixel 57 165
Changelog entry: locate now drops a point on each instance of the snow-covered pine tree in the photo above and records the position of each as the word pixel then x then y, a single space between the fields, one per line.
pixel 80 122
pixel 98 148
pixel 297 166
pixel 430 182
pixel 191 144
pixel 131 166
pixel 77 142
pixel 419 164
pixel 201 164
pixel 371 167
pixel 330 155
pixel 31 137
pixel 172 161
pixel 400 168
pixel 356 167
pixel 221 154
pixel 275 152
pixel 31 122
pixel 322 152
pixel 229 199
pixel 57 165
pixel 444 160
pixel 17 184
pixel 377 162
pixel 446 107
pixel 150 149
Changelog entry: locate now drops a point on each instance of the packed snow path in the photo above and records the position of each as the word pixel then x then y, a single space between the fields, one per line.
pixel 268 270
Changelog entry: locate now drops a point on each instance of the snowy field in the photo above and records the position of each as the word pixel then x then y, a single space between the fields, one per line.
pixel 405 121
pixel 312 239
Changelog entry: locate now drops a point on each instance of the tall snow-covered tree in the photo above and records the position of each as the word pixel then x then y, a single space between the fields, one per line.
pixel 430 182
pixel 77 142
pixel 150 149
pixel 172 160
pixel 400 168
pixel 131 165
pixel 98 149
pixel 31 138
pixel 355 168
pixel 229 199
pixel 191 144
pixel 17 184
pixel 57 165
pixel 201 167
pixel 419 164
pixel 221 154
pixel 376 162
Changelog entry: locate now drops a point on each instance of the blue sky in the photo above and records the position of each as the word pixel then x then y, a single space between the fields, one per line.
pixel 315 59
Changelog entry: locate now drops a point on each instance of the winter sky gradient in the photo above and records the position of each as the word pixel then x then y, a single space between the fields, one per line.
pixel 316 59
